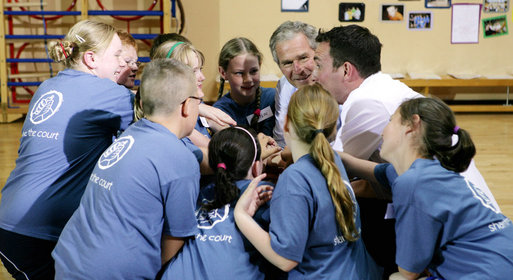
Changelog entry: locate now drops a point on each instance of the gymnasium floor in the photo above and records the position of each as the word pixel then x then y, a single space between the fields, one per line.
pixel 492 134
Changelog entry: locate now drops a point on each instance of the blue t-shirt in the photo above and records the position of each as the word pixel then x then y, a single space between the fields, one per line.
pixel 198 154
pixel 193 148
pixel 240 114
pixel 304 228
pixel 71 120
pixel 447 225
pixel 144 185
pixel 219 250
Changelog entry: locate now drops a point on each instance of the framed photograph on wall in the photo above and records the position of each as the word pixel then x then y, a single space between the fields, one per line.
pixel 495 26
pixel 348 12
pixel 420 20
pixel 294 5
pixel 438 3
pixel 495 6
pixel 391 12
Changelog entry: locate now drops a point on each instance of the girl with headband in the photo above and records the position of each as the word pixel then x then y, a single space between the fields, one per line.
pixel 198 141
pixel 315 223
pixel 247 102
pixel 219 251
pixel 72 119
pixel 186 53
pixel 444 224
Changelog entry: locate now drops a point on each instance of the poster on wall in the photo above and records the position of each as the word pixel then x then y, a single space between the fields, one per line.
pixel 351 12
pixel 392 12
pixel 495 26
pixel 438 3
pixel 294 5
pixel 495 6
pixel 420 20
pixel 465 23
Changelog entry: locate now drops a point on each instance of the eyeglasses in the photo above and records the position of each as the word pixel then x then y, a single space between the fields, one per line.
pixel 194 97
pixel 132 63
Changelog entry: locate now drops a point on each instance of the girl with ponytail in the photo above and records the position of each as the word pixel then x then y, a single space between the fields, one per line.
pixel 82 108
pixel 247 103
pixel 444 223
pixel 219 251
pixel 315 225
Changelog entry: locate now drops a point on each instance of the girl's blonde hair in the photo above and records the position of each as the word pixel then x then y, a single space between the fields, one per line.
pixel 85 35
pixel 183 52
pixel 313 113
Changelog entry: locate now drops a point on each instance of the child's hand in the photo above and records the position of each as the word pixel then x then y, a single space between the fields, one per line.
pixel 268 145
pixel 253 197
pixel 286 156
pixel 215 115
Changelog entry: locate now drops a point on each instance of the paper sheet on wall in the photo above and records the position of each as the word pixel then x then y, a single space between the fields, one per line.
pixel 465 23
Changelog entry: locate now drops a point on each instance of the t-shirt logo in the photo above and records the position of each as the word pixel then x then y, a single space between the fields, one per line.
pixel 208 219
pixel 116 152
pixel 482 197
pixel 47 105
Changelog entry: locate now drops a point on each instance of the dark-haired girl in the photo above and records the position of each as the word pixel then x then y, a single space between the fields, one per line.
pixel 247 103
pixel 315 222
pixel 219 250
pixel 443 222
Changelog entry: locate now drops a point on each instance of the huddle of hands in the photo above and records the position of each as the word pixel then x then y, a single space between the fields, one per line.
pixel 273 157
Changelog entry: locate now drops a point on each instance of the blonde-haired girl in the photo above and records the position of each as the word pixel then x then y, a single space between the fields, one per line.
pixel 72 118
pixel 315 225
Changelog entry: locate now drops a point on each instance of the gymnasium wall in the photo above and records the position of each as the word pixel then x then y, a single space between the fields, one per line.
pixel 211 23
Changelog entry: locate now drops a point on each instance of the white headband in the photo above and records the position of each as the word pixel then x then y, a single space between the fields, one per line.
pixel 252 139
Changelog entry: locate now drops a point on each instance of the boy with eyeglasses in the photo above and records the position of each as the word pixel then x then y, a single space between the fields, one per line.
pixel 138 207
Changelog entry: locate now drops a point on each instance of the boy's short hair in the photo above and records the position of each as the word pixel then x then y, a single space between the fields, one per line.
pixel 165 84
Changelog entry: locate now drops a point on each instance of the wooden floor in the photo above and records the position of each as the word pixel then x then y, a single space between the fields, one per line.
pixel 492 134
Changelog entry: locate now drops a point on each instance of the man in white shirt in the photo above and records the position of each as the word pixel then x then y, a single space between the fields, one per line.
pixel 348 66
pixel 292 46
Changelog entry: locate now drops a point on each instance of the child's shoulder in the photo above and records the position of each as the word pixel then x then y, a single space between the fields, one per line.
pixel 224 101
pixel 425 178
pixel 301 169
